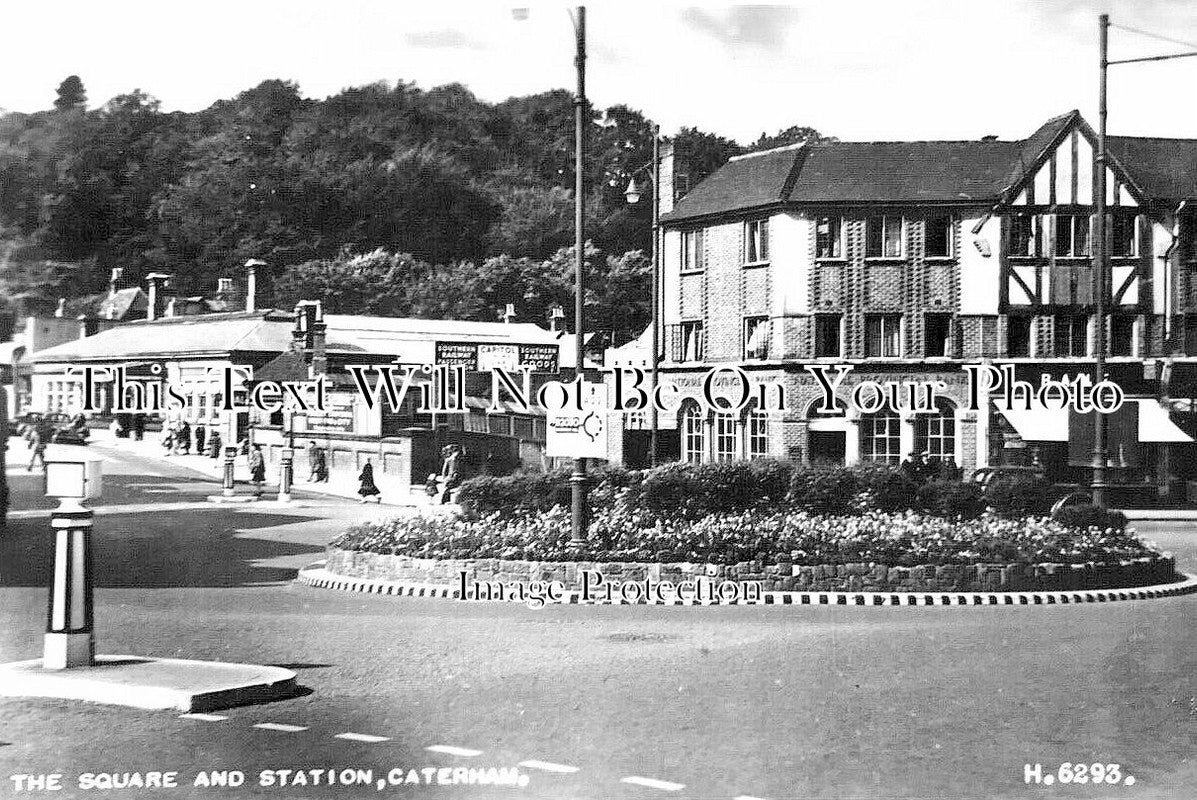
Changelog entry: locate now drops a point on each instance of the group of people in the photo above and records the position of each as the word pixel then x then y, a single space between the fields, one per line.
pixel 925 467
pixel 178 436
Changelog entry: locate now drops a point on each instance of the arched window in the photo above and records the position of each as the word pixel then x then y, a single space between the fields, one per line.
pixel 935 432
pixel 879 437
pixel 693 433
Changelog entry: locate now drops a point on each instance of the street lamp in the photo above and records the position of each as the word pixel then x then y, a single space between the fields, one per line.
pixel 632 194
pixel 1101 251
pixel 578 478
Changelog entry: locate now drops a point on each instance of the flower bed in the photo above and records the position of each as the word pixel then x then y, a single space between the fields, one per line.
pixel 788 527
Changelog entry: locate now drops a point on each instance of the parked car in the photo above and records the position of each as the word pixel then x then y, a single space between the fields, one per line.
pixel 985 475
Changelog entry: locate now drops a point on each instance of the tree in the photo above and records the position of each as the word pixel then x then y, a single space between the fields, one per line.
pixel 795 134
pixel 372 283
pixel 71 94
pixel 697 154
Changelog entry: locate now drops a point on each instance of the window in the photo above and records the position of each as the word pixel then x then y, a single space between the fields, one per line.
pixel 756 241
pixel 883 237
pixel 1190 321
pixel 693 257
pixel 1122 336
pixel 1072 235
pixel 1072 335
pixel 693 436
pixel 1023 235
pixel 829 237
pixel 879 438
pixel 1018 337
pixel 726 442
pixel 827 336
pixel 935 433
pixel 1123 242
pixel 756 338
pixel 691 342
pixel 937 330
pixel 757 430
pixel 937 237
pixel 883 335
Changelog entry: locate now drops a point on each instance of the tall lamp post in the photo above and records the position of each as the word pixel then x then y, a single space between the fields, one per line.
pixel 633 196
pixel 1101 250
pixel 578 478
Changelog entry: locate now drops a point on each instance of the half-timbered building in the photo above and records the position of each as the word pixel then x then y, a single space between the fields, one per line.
pixel 908 261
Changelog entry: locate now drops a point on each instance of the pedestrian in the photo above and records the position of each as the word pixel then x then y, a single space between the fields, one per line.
pixel 366 486
pixel 432 487
pixel 317 463
pixel 257 469
pixel 138 426
pixel 214 445
pixel 451 471
pixel 201 435
pixel 185 437
pixel 37 443
pixel 168 437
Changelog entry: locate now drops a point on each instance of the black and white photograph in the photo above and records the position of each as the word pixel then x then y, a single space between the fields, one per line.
pixel 621 401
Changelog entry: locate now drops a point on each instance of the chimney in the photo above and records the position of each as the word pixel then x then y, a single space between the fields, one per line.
pixel 114 280
pixel 309 335
pixel 251 283
pixel 319 332
pixel 557 319
pixel 668 191
pixel 87 325
pixel 509 313
pixel 58 312
pixel 156 282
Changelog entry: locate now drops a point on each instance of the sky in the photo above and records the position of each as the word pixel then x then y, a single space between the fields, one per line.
pixel 856 69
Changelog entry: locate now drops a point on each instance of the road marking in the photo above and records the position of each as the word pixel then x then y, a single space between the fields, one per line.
pixel 204 717
pixel 547 766
pixel 278 726
pixel 361 737
pixel 453 751
pixel 653 783
pixel 746 797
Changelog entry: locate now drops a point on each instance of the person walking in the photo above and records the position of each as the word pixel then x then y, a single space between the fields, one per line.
pixel 257 469
pixel 366 486
pixel 451 471
pixel 37 443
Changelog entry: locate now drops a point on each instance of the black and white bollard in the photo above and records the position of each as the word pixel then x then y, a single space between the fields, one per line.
pixel 70 639
pixel 227 489
pixel 287 475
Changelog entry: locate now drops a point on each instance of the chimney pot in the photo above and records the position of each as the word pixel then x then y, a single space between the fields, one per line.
pixel 509 313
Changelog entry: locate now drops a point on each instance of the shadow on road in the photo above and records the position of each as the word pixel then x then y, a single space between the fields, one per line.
pixel 210 548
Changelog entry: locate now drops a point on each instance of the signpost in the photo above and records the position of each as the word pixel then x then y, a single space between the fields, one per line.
pixel 579 434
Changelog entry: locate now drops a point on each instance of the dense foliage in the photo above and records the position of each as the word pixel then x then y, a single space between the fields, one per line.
pixel 448 204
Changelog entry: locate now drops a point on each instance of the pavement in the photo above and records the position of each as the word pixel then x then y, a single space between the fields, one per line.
pixel 340 483
pixel 619 702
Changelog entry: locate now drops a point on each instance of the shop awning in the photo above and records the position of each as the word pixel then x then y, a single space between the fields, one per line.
pixel 1038 424
pixel 1051 425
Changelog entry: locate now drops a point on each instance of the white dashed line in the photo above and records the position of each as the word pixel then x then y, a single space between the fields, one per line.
pixel 548 766
pixel 361 737
pixel 453 751
pixel 204 717
pixel 653 783
pixel 278 726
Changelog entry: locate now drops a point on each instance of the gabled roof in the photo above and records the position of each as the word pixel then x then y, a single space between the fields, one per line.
pixel 118 304
pixel 1166 169
pixel 986 171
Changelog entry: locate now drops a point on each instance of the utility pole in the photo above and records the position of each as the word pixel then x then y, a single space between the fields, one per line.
pixel 1100 253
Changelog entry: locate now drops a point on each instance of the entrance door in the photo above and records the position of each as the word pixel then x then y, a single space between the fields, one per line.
pixel 828 447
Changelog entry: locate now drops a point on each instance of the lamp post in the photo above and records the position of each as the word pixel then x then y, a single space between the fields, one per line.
pixel 633 196
pixel 70 632
pixel 1100 233
pixel 577 478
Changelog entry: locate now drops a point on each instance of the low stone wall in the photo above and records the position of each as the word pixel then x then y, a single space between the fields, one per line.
pixel 780 577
